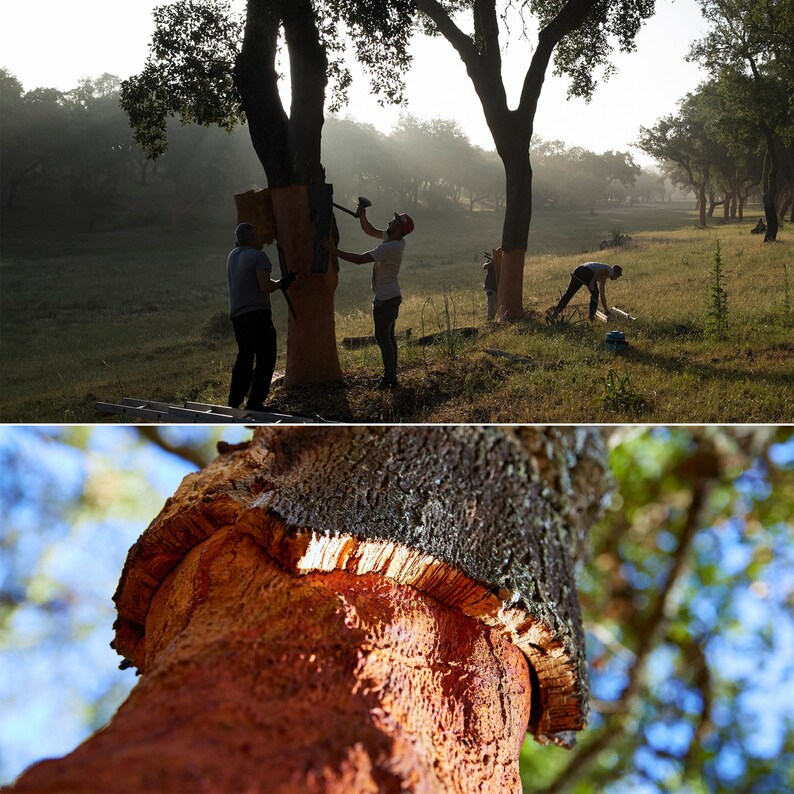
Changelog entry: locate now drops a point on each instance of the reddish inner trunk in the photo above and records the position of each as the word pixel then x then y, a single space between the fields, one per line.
pixel 260 680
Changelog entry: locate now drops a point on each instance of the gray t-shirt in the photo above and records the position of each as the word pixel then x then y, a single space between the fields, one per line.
pixel 244 293
pixel 388 257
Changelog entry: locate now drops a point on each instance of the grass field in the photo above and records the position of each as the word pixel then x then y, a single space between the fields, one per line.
pixel 140 312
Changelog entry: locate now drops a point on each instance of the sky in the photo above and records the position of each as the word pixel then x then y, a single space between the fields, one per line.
pixel 113 37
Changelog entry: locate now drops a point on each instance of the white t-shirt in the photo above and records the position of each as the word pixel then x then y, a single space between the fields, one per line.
pixel 596 266
pixel 388 257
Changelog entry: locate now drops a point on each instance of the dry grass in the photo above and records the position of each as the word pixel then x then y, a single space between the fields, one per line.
pixel 121 313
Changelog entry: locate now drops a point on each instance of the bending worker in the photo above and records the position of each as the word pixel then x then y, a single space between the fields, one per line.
pixel 592 275
pixel 386 258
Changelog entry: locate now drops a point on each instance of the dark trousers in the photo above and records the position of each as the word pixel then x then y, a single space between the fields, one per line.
pixel 385 314
pixel 581 277
pixel 256 340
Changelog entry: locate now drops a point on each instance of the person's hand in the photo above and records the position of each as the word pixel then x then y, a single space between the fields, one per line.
pixel 361 211
pixel 285 281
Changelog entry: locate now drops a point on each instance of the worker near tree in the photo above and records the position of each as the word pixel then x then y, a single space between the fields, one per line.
pixel 490 285
pixel 386 259
pixel 248 270
pixel 592 275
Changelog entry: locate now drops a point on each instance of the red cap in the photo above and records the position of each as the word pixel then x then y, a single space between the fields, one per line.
pixel 406 221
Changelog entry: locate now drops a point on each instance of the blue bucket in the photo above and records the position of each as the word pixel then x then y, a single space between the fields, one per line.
pixel 616 341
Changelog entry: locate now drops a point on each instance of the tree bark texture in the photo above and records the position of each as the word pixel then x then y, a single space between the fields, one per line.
pixel 353 610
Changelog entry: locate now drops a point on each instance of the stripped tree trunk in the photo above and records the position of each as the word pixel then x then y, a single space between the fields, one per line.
pixel 352 610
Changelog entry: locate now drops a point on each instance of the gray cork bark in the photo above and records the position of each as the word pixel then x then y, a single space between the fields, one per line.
pixel 508 507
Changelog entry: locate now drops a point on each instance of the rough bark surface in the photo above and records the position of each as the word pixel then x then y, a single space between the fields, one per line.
pixel 328 682
pixel 352 610
pixel 505 508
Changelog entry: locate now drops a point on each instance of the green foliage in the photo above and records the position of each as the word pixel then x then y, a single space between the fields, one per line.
pixel 192 69
pixel 717 307
pixel 686 604
pixel 587 49
pixel 189 73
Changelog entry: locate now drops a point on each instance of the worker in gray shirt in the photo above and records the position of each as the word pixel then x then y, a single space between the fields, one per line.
pixel 250 286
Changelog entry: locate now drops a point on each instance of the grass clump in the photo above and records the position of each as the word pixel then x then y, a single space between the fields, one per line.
pixel 620 396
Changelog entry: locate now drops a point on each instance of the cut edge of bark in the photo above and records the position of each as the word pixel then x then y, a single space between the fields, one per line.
pixel 301 551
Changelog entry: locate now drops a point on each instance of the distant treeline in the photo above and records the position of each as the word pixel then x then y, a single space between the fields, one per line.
pixel 78 145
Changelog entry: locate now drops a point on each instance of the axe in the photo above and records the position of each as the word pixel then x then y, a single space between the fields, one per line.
pixel 362 202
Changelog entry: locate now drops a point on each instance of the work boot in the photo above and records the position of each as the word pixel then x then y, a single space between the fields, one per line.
pixel 387 383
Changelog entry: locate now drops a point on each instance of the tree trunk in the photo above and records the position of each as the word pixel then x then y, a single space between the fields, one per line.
pixel 770 191
pixel 701 192
pixel 515 231
pixel 352 610
pixel 288 146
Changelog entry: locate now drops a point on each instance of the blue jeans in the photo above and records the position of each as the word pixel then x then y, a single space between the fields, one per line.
pixel 385 315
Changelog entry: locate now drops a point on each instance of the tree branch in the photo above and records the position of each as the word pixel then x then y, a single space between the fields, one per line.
pixel 190 454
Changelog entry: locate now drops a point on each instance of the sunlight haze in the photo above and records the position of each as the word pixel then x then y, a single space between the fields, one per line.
pixel 114 37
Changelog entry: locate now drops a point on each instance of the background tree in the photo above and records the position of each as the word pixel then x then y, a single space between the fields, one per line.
pixel 685 139
pixel 749 47
pixel 33 124
pixel 98 155
pixel 577 33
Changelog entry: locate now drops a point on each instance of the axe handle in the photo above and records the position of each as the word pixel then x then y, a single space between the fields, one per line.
pixel 345 209
pixel 289 303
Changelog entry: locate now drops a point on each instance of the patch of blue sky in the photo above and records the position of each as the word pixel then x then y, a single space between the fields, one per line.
pixel 632 784
pixel 753 482
pixel 729 763
pixel 656 767
pixel 704 605
pixel 661 662
pixel 90 560
pixel 608 684
pixel 666 541
pixel 44 458
pixel 672 736
pixel 782 454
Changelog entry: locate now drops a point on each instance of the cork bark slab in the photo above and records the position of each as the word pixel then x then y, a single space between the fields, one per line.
pixel 256 207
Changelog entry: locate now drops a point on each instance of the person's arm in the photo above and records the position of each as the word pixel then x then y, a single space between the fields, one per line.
pixel 366 226
pixel 266 284
pixel 356 259
pixel 602 288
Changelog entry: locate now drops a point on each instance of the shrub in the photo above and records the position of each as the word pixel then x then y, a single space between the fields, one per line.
pixel 717 309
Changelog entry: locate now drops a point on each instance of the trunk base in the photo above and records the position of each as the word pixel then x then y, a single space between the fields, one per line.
pixel 262 680
pixel 511 282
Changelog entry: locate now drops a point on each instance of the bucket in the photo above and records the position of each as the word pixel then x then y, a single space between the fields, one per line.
pixel 616 340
